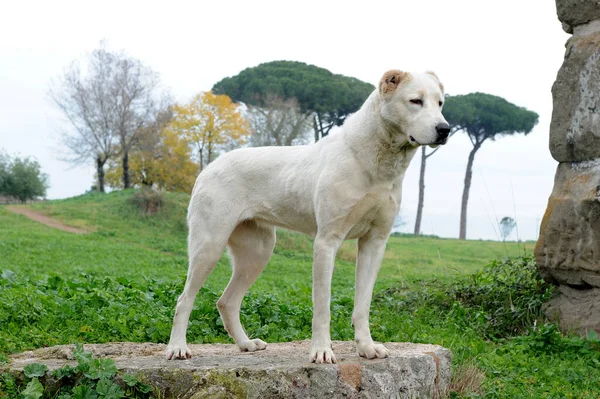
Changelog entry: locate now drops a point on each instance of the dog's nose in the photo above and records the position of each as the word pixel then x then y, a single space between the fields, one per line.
pixel 443 130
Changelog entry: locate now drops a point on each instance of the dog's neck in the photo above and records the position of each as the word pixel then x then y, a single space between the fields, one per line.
pixel 382 148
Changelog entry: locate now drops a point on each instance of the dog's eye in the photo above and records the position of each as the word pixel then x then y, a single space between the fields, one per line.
pixel 441 103
pixel 417 101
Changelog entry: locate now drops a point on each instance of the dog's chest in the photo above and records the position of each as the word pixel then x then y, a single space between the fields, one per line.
pixel 377 208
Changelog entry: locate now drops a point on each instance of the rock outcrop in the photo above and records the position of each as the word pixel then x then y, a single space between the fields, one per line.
pixel 568 249
pixel 574 13
pixel 281 371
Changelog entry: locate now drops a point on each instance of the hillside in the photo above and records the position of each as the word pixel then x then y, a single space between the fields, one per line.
pixel 121 232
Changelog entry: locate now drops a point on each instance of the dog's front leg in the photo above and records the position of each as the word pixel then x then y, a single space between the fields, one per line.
pixel 325 248
pixel 370 254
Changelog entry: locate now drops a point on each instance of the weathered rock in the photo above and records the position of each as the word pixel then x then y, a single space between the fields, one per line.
pixel 281 371
pixel 575 125
pixel 568 249
pixel 576 310
pixel 577 12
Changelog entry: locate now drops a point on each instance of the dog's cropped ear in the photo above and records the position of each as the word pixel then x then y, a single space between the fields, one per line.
pixel 436 78
pixel 391 80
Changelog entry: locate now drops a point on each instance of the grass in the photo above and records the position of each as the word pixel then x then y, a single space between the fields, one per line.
pixel 120 283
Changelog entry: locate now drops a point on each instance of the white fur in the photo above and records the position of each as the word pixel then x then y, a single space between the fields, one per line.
pixel 347 185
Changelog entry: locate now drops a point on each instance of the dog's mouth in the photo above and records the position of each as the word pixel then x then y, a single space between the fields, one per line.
pixel 433 145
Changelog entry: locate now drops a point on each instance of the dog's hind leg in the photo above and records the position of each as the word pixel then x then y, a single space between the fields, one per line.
pixel 207 239
pixel 251 248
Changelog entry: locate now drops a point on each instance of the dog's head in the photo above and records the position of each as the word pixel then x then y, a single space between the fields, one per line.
pixel 411 104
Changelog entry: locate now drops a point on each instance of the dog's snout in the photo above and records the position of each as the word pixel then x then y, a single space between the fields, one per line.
pixel 443 130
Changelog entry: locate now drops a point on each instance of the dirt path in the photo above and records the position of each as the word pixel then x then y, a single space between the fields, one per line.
pixel 48 221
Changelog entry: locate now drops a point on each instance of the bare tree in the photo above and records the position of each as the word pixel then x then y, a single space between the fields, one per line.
pixel 278 123
pixel 134 92
pixel 106 106
pixel 87 105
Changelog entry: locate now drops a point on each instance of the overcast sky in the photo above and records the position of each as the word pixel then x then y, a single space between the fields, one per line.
pixel 510 48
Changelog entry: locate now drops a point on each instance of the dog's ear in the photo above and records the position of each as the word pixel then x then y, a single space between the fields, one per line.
pixel 436 78
pixel 391 80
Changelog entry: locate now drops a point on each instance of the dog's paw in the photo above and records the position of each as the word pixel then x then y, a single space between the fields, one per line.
pixel 252 345
pixel 322 355
pixel 372 350
pixel 178 351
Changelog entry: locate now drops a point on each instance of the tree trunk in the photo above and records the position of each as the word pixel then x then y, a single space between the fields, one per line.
pixel 126 181
pixel 201 153
pixel 321 131
pixel 100 173
pixel 316 128
pixel 147 183
pixel 465 197
pixel 421 192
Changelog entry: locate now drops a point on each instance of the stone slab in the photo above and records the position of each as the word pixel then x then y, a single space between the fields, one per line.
pixel 282 370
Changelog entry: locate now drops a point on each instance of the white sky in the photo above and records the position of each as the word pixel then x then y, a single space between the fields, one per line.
pixel 510 48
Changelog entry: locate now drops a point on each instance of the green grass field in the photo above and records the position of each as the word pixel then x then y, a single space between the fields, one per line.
pixel 120 283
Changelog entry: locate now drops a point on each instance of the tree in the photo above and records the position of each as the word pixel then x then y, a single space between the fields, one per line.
pixel 421 204
pixel 160 159
pixel 134 92
pixel 326 97
pixel 106 107
pixel 21 178
pixel 279 122
pixel 209 122
pixel 507 224
pixel 482 117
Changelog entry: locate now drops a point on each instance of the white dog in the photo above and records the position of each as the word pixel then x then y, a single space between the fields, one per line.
pixel 346 186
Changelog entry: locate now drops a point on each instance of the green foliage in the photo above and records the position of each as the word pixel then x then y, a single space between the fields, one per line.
pixel 507 295
pixel 33 390
pixel 84 392
pixel 109 390
pixel 8 386
pixel 543 363
pixel 332 97
pixel 21 178
pixel 484 116
pixel 101 369
pixel 502 300
pixel 35 370
pixel 92 378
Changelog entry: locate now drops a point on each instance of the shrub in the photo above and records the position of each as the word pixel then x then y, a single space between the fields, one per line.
pixel 506 295
pixel 148 201
pixel 502 300
pixel 22 178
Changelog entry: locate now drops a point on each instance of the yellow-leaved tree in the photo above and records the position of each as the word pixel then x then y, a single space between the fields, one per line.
pixel 209 123
pixel 161 159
